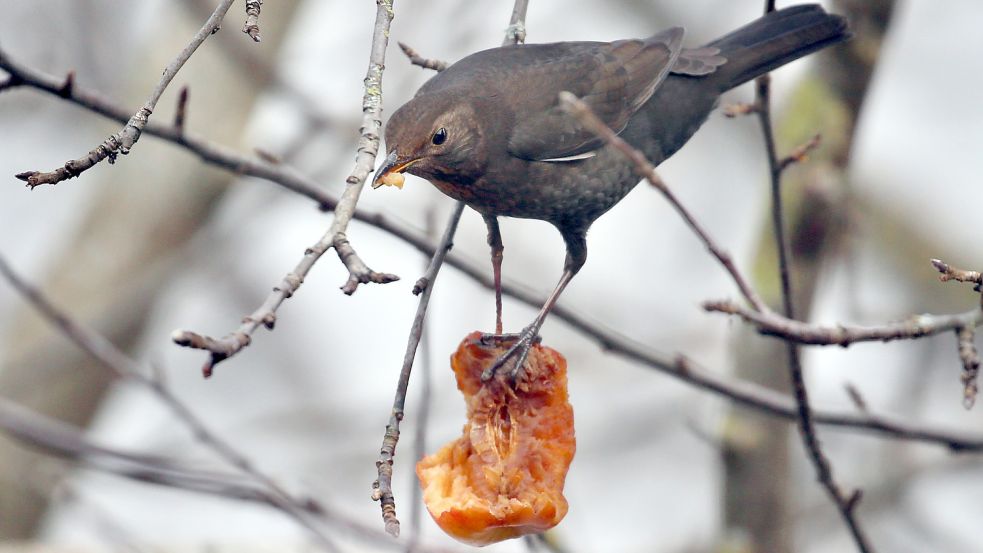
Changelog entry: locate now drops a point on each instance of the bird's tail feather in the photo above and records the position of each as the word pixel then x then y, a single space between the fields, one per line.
pixel 774 40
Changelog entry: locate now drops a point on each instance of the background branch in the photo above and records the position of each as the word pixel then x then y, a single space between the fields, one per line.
pixel 824 471
pixel 124 140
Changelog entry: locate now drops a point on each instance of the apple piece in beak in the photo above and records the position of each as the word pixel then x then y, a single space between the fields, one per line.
pixel 390 173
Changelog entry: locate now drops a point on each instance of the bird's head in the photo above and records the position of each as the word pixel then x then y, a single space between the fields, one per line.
pixel 435 136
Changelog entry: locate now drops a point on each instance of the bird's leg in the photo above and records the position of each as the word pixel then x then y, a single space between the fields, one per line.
pixel 529 336
pixel 576 256
pixel 497 249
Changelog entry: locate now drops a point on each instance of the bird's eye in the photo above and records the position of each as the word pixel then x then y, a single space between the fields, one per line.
pixel 439 136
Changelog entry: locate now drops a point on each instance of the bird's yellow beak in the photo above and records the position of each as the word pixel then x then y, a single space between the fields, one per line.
pixel 390 172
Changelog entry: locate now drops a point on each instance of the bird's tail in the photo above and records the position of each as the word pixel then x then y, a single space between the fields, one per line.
pixel 774 40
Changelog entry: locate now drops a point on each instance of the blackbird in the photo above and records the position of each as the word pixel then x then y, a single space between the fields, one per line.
pixel 489 131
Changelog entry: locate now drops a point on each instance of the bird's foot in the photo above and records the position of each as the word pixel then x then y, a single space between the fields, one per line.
pixel 518 351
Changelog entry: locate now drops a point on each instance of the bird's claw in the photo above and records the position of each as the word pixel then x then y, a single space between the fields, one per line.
pixel 519 350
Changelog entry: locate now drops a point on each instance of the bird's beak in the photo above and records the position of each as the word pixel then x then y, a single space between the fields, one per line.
pixel 391 167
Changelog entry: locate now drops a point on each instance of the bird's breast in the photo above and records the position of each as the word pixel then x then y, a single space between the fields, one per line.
pixel 568 192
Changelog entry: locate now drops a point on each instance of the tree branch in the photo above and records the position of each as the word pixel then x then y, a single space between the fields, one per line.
pixel 382 487
pixel 844 503
pixel 417 59
pixel 916 326
pixel 125 139
pixel 959 275
pixel 344 210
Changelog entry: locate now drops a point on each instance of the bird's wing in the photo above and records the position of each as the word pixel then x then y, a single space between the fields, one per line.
pixel 614 79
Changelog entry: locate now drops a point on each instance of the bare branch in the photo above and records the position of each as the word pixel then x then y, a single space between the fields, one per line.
pixel 645 169
pixel 417 59
pixel 251 27
pixel 423 416
pixel 368 147
pixel 959 275
pixel 917 326
pixel 124 140
pixel 358 271
pixel 62 439
pixel 845 503
pixel 800 154
pixel 382 487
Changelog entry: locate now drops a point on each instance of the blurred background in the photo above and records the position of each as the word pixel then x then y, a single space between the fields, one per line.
pixel 161 241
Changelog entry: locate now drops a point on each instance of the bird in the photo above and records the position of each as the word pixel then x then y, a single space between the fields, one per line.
pixel 489 129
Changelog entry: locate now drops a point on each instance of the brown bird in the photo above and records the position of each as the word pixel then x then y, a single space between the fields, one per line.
pixel 489 131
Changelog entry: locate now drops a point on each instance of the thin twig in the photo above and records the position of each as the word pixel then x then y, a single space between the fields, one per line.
pixel 181 113
pixel 123 141
pixel 251 26
pixel 845 504
pixel 382 487
pixel 959 275
pixel 426 63
pixel 800 154
pixel 644 168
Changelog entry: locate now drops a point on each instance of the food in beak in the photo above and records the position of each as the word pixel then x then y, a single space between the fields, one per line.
pixel 391 179
pixel 390 173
